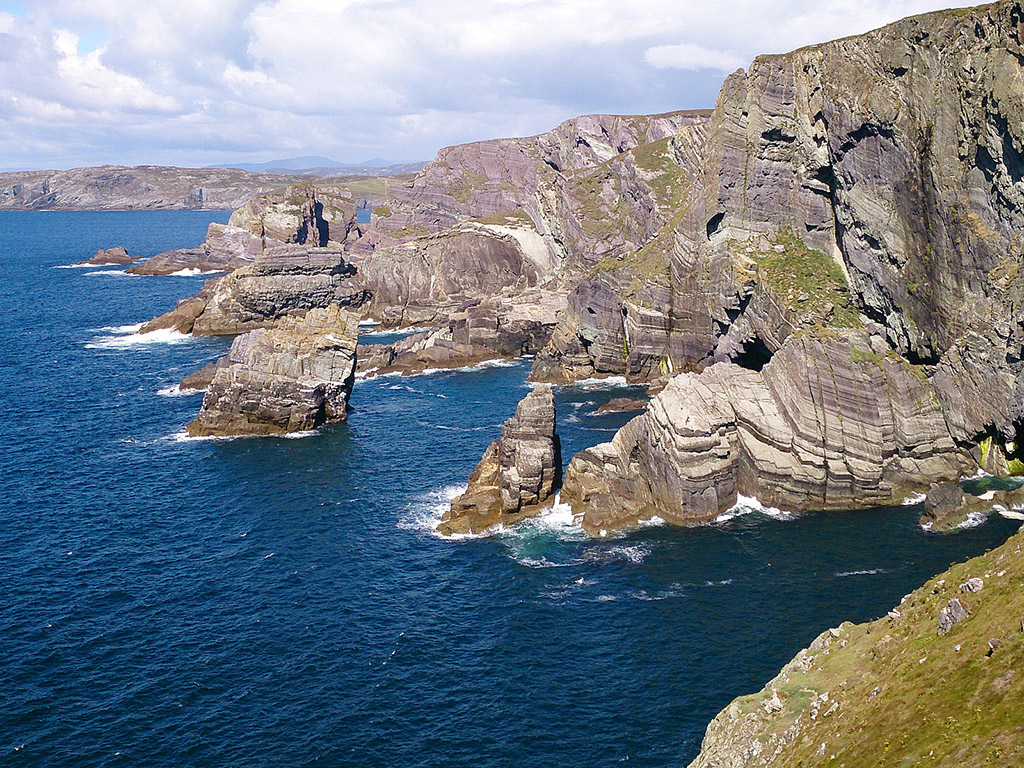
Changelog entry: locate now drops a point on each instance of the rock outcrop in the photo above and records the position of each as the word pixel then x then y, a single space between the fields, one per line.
pixel 285 281
pixel 518 473
pixel 111 256
pixel 479 330
pixel 938 681
pixel 301 214
pixel 829 423
pixel 422 281
pixel 295 377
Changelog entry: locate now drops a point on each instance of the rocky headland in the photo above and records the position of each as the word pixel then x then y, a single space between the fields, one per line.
pixel 518 474
pixel 145 187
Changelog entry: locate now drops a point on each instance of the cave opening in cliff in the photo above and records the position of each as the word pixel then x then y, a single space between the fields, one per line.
pixel 753 355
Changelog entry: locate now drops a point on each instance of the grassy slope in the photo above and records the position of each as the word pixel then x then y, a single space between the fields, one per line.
pixel 894 692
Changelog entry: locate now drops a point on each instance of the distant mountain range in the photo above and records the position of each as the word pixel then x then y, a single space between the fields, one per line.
pixel 323 166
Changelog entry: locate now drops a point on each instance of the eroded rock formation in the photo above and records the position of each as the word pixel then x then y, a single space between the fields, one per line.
pixel 831 422
pixel 518 473
pixel 294 377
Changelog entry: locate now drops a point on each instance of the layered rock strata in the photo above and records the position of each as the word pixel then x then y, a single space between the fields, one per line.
pixel 829 423
pixel 480 330
pixel 295 377
pixel 518 473
pixel 285 281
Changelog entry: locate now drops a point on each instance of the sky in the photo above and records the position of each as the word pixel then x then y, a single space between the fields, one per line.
pixel 199 82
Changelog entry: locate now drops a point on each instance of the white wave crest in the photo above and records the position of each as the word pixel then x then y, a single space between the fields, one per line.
pixel 111 273
pixel 424 514
pixel 1011 514
pixel 607 382
pixel 194 271
pixel 185 437
pixel 973 520
pixel 73 266
pixel 866 572
pixel 132 339
pixel 913 501
pixel 177 391
pixel 747 505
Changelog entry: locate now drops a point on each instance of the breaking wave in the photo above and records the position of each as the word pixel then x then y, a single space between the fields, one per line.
pixel 749 505
pixel 125 339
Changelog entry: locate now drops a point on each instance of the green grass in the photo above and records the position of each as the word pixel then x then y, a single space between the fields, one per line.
pixel 958 707
pixel 806 281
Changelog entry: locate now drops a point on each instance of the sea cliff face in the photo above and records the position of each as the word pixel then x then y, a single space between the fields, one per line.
pixel 848 221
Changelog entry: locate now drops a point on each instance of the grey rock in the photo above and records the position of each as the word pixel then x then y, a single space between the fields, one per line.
pixel 972 585
pixel 952 614
pixel 294 377
pixel 518 473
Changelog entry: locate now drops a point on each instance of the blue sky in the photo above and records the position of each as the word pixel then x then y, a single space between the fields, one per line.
pixel 196 82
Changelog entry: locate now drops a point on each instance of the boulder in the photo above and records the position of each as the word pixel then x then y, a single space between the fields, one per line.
pixel 518 473
pixel 294 377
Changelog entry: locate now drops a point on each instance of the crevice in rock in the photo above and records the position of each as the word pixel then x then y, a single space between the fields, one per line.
pixel 714 224
pixel 754 355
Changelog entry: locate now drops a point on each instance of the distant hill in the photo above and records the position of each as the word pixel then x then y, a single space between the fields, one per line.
pixel 315 165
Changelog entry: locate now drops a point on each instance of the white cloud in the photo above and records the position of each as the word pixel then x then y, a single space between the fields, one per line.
pixel 193 82
pixel 687 56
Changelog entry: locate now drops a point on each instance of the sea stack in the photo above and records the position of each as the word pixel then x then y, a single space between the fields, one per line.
pixel 295 377
pixel 518 473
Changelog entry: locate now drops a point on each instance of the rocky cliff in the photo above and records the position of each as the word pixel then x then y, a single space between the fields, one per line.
pixel 295 377
pixel 852 246
pixel 518 472
pixel 938 681
pixel 894 154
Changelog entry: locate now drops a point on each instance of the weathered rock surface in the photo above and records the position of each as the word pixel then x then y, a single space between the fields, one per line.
pixel 422 281
pixel 888 692
pixel 294 377
pixel 284 281
pixel 829 423
pixel 815 148
pixel 620 404
pixel 116 255
pixel 480 330
pixel 518 472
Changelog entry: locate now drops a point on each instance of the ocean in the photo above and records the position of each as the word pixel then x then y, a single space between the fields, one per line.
pixel 284 602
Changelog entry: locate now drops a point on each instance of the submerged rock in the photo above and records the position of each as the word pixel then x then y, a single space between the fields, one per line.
pixel 948 507
pixel 294 377
pixel 517 474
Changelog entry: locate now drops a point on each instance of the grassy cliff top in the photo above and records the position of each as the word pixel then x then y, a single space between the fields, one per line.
pixel 897 691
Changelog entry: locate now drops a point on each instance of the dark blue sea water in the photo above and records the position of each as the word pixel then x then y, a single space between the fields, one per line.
pixel 273 602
